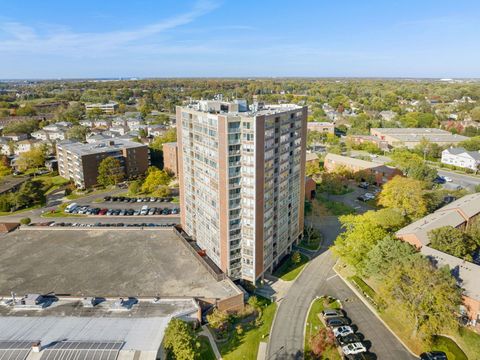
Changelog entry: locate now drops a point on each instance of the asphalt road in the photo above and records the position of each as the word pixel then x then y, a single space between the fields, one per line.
pixel 318 279
pixel 466 181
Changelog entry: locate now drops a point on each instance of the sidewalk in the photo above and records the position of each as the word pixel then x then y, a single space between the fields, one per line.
pixel 207 333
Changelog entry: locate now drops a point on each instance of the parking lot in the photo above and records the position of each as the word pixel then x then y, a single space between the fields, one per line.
pixel 348 337
pixel 124 206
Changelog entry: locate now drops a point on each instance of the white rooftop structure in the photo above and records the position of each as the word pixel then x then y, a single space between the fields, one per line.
pixel 138 333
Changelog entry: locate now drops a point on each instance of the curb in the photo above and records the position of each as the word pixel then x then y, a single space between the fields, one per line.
pixel 305 321
pixel 373 310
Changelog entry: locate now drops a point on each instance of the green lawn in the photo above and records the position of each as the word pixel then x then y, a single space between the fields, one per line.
pixel 60 214
pixel 205 351
pixel 245 346
pixel 312 244
pixel 449 347
pixel 469 342
pixel 335 207
pixel 288 271
pixel 364 288
pixel 314 324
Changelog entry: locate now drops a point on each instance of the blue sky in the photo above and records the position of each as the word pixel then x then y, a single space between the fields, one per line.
pixel 166 38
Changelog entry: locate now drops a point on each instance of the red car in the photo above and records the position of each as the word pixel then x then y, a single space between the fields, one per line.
pixel 102 212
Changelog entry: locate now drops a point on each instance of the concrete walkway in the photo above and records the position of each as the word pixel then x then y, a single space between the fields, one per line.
pixel 206 332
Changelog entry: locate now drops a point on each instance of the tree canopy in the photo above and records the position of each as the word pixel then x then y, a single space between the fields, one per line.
pixel 180 340
pixel 406 195
pixel 453 241
pixel 110 172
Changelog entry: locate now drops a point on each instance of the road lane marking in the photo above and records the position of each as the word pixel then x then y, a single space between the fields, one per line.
pixel 331 277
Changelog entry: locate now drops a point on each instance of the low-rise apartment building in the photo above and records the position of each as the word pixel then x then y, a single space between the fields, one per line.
pixel 381 173
pixel 411 137
pixel 458 214
pixel 461 158
pixel 323 127
pixel 107 108
pixel 363 139
pixel 170 157
pixel 79 162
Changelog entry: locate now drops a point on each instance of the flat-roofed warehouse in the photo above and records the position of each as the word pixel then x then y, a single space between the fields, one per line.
pixel 411 137
pixel 67 329
pixel 105 263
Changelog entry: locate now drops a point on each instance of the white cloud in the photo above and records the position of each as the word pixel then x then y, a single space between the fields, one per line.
pixel 21 38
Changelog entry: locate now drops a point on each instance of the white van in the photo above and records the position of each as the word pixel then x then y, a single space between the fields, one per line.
pixel 71 207
pixel 144 210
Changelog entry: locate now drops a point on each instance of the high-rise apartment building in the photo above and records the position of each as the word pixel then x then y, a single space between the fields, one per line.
pixel 242 179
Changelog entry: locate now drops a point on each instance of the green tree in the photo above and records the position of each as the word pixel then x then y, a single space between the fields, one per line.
pixel 296 257
pixel 179 339
pixel 26 110
pixel 156 181
pixel 475 113
pixel 26 127
pixel 312 168
pixel 218 319
pixel 94 113
pixel 426 296
pixel 360 235
pixel 452 241
pixel 30 193
pixel 32 159
pixel 169 136
pixel 472 144
pixel 4 167
pixel 110 172
pixel 386 253
pixel 406 195
pixel 73 113
pixel 135 187
pixel 413 165
pixel 77 132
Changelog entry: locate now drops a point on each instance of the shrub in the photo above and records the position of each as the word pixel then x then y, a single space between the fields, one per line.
pixel 25 221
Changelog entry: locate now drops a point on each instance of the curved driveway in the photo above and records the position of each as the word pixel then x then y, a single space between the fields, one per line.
pixel 317 279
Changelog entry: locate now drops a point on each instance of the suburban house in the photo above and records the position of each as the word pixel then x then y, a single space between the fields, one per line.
pixel 461 158
pixel 387 115
pixel 458 214
pixel 382 173
pixel 311 158
pixel 5 147
pixel 324 127
pixel 26 145
pixel 16 136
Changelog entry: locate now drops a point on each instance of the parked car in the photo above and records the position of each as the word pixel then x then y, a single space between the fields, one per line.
pixel 331 313
pixel 363 198
pixel 433 355
pixel 448 179
pixel 370 196
pixel 336 322
pixel 364 185
pixel 354 348
pixel 348 339
pixel 361 356
pixel 439 180
pixel 342 331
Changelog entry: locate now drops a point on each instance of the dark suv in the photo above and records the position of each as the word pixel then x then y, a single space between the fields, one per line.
pixel 434 355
